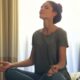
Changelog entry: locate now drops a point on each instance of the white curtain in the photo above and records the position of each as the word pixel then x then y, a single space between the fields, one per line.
pixel 29 22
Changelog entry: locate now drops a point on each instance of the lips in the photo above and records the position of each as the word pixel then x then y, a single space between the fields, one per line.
pixel 41 12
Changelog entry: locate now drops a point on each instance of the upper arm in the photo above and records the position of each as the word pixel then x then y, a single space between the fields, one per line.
pixel 32 55
pixel 62 53
pixel 63 44
pixel 33 50
pixel 62 56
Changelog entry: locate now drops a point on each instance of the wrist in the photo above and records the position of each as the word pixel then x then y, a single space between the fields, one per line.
pixel 55 68
pixel 11 65
pixel 61 65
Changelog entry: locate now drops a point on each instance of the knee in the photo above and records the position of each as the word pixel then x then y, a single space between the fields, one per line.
pixel 8 72
pixel 58 76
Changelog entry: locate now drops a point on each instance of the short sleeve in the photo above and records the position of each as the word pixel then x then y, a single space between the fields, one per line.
pixel 63 38
pixel 34 38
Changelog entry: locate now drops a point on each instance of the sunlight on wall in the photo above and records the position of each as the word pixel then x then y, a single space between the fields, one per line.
pixel 29 22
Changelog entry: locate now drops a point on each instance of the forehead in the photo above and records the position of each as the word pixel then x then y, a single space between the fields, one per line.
pixel 47 4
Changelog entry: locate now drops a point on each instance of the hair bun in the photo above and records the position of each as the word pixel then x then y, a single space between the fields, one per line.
pixel 59 7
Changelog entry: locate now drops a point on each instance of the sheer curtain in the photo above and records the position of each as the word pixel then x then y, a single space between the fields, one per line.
pixel 29 22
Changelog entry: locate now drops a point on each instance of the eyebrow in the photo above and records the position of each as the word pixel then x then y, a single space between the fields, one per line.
pixel 45 5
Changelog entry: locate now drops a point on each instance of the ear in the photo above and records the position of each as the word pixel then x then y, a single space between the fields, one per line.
pixel 54 14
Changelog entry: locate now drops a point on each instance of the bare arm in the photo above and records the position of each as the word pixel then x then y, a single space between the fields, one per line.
pixel 62 57
pixel 24 63
pixel 62 61
pixel 4 65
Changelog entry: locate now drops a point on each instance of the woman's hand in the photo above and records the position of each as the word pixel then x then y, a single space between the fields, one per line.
pixel 53 69
pixel 4 66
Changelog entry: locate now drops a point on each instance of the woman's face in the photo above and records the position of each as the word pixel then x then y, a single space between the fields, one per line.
pixel 46 11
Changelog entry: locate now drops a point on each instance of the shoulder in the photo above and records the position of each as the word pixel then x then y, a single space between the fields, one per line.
pixel 61 31
pixel 36 32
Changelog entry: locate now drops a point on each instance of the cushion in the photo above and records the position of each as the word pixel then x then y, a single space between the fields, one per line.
pixel 75 76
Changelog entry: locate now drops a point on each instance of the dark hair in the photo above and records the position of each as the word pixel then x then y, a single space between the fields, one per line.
pixel 57 8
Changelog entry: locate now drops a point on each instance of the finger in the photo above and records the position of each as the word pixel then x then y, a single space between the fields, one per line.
pixel 50 71
pixel 1 62
pixel 1 70
pixel 55 71
pixel 55 68
pixel 49 74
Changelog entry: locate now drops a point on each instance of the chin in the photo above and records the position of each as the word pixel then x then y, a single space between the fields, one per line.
pixel 42 17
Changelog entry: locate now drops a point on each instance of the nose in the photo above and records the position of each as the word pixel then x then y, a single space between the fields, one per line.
pixel 42 10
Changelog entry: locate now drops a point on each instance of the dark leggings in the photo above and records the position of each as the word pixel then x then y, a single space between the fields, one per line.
pixel 17 74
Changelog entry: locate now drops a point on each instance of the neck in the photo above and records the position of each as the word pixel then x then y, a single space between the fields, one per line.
pixel 48 25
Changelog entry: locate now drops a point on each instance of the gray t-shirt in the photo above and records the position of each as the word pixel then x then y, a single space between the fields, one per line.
pixel 46 49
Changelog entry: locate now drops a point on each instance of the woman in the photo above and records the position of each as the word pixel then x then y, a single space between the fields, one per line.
pixel 48 50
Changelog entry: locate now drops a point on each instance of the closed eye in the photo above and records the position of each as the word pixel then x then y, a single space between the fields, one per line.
pixel 46 7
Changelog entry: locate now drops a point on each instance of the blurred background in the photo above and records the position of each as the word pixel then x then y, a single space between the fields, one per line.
pixel 19 19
